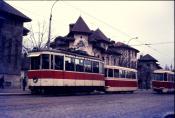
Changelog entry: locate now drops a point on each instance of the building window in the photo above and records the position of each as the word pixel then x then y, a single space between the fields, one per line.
pixel 59 62
pixel 115 61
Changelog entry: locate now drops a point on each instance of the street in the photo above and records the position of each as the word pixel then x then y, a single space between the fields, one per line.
pixel 141 104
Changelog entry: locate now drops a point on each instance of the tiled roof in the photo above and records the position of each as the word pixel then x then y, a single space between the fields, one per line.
pixel 112 51
pixel 6 8
pixel 80 26
pixel 98 35
pixel 147 57
pixel 122 45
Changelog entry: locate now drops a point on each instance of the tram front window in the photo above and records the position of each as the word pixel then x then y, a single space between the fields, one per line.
pixel 35 63
pixel 45 61
pixel 159 76
pixel 110 72
pixel 59 62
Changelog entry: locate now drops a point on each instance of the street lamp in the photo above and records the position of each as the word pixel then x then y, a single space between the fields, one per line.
pixel 131 39
pixel 48 43
pixel 129 59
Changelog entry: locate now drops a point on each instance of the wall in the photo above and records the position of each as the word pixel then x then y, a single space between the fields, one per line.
pixel 11 33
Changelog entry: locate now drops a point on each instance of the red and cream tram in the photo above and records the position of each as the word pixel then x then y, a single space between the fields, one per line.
pixel 119 79
pixel 163 81
pixel 59 70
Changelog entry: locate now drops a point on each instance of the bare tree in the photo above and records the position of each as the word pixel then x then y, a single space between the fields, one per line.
pixel 36 38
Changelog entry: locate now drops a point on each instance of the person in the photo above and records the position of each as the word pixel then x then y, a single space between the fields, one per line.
pixel 24 83
pixel 2 82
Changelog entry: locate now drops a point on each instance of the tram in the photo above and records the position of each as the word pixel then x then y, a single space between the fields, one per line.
pixel 118 79
pixel 61 71
pixel 163 81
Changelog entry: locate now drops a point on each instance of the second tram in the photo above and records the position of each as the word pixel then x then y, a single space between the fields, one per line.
pixel 163 81
pixel 119 79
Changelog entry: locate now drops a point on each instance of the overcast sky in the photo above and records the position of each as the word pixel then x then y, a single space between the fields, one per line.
pixel 151 21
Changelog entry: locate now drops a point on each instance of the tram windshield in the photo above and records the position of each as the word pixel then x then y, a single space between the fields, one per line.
pixel 159 76
pixel 45 61
pixel 35 63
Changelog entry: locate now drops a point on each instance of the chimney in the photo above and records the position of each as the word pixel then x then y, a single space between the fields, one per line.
pixel 71 26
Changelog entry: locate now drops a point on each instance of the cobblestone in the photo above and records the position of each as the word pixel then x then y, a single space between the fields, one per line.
pixel 142 104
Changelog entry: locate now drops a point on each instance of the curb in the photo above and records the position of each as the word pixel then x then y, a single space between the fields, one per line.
pixel 14 94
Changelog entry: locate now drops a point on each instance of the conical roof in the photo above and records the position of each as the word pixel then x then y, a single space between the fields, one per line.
pixel 6 8
pixel 147 57
pixel 80 26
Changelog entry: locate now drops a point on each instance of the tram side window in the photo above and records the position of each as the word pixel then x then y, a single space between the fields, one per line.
pixel 70 63
pixel 45 61
pixel 165 76
pixel 110 72
pixel 133 75
pixel 95 66
pixel 116 73
pixel 35 63
pixel 101 68
pixel 122 73
pixel 106 72
pixel 79 65
pixel 87 66
pixel 51 61
pixel 59 62
pixel 171 77
pixel 127 74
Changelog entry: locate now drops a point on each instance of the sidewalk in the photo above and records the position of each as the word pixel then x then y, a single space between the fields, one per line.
pixel 14 91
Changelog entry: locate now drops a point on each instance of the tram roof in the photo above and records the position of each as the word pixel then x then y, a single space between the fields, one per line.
pixel 120 67
pixel 163 71
pixel 59 51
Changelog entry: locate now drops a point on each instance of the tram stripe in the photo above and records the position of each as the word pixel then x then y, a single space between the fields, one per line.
pixel 64 75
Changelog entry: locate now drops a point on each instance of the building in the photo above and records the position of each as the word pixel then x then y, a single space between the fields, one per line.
pixel 146 65
pixel 11 35
pixel 94 43
pixel 128 56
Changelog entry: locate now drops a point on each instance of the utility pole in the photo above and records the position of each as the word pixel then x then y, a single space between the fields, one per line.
pixel 50 21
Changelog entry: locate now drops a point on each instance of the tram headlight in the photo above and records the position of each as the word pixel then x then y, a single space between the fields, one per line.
pixel 35 79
